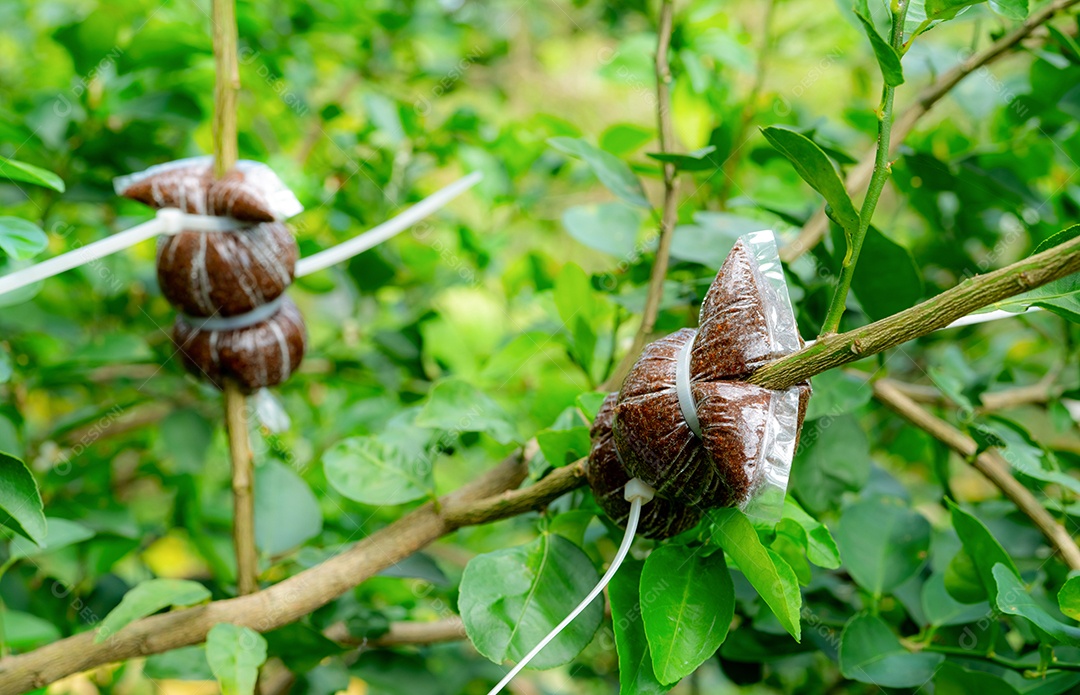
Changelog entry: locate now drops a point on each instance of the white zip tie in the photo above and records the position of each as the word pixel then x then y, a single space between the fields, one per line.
pixel 386 230
pixel 232 323
pixel 637 493
pixel 682 387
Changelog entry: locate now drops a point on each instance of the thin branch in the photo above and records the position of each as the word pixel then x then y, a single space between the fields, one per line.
pixel 300 594
pixel 226 86
pixel 1014 664
pixel 243 489
pixel 669 213
pixel 404 633
pixel 989 463
pixel 1041 392
pixel 880 174
pixel 859 177
pixel 970 295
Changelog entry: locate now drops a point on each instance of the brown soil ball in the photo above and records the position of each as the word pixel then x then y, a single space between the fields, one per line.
pixel 226 273
pixel 660 518
pixel 257 356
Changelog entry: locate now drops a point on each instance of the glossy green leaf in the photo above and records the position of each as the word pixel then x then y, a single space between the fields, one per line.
pixel 1013 598
pixel 887 279
pixel 888 58
pixel 1011 9
pixel 942 609
pixel 815 169
pixel 1023 453
pixel 953 679
pixel 833 457
pixel 1060 296
pixel 20 500
pixel 699 160
pixel 562 447
pixel 1069 598
pixel 773 578
pixel 511 598
pixel 890 555
pixel 837 392
pixel 60 534
pixel 455 405
pixel 577 306
pixel 980 545
pixel 622 139
pixel 24 631
pixel 287 513
pixel 947 9
pixel 687 603
pixel 962 579
pixel 371 471
pixel 871 653
pixel 636 676
pixel 821 548
pixel 235 654
pixel 14 170
pixel 608 227
pixel 147 598
pixel 20 239
pixel 612 171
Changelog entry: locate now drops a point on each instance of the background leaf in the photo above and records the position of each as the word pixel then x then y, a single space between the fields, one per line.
pixel 371 471
pixel 20 239
pixel 20 500
pixel 612 171
pixel 871 653
pixel 147 598
pixel 14 170
pixel 235 654
pixel 893 553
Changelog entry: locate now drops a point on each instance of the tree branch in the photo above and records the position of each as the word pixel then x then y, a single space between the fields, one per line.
pixel 669 213
pixel 971 294
pixel 989 463
pixel 403 633
pixel 1042 391
pixel 243 489
pixel 226 86
pixel 302 593
pixel 859 176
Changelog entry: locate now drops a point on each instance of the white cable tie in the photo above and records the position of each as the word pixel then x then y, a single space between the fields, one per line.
pixel 682 387
pixel 233 323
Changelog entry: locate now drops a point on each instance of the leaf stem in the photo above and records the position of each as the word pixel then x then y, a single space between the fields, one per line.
pixel 994 659
pixel 882 169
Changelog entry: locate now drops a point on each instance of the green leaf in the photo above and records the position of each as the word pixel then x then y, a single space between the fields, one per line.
pixel 773 578
pixel 887 57
pixel 455 405
pixel 887 279
pixel 833 457
pixel 636 676
pixel 947 9
pixel 703 159
pixel 20 499
pixel 953 679
pixel 883 543
pixel 1010 9
pixel 942 609
pixel 622 139
pixel 688 601
pixel 61 533
pixel 21 240
pixel 24 631
pixel 837 392
pixel 871 653
pixel 371 471
pixel 1023 453
pixel 510 599
pixel 1069 598
pixel 235 654
pixel 1013 598
pixel 287 513
pixel 821 548
pixel 612 171
pixel 148 598
pixel 980 545
pixel 300 646
pixel 14 170
pixel 562 447
pixel 1061 296
pixel 608 227
pixel 577 306
pixel 962 579
pixel 814 167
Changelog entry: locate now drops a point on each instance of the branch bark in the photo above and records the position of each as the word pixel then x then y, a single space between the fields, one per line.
pixel 859 176
pixel 300 594
pixel 669 214
pixel 938 312
pixel 243 490
pixel 226 86
pixel 1042 391
pixel 989 463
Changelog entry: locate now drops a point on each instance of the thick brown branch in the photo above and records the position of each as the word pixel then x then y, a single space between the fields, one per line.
pixel 859 176
pixel 301 594
pixel 989 463
pixel 970 295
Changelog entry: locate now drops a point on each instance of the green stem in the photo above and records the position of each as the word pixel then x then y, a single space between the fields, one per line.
pixel 882 169
pixel 999 660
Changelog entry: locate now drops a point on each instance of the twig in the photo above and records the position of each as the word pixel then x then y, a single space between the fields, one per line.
pixel 403 633
pixel 243 489
pixel 878 177
pixel 670 206
pixel 296 596
pixel 816 227
pixel 750 107
pixel 989 463
pixel 970 295
pixel 1014 664
pixel 226 87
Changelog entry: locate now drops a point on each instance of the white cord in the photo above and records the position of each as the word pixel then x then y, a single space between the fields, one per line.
pixel 386 230
pixel 637 493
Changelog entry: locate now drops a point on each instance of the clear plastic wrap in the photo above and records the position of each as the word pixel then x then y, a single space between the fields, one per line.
pixel 686 420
